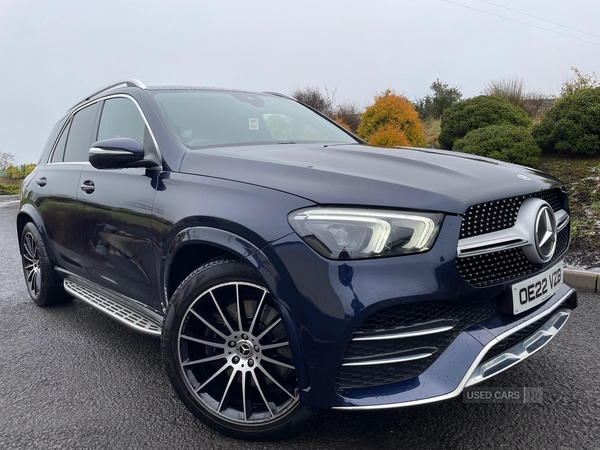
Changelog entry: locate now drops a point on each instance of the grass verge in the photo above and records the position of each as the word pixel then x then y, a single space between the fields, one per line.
pixel 581 176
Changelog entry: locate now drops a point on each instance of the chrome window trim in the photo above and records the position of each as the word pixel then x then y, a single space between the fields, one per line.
pixel 91 102
pixel 456 392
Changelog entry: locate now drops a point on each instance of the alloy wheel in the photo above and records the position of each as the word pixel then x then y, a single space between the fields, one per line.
pixel 32 265
pixel 235 355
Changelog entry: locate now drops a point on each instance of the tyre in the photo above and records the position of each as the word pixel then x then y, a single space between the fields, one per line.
pixel 43 285
pixel 227 354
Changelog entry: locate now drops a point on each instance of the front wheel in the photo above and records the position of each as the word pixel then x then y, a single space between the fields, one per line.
pixel 228 356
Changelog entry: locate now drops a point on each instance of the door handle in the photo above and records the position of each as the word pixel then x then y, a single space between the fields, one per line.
pixel 88 186
pixel 41 182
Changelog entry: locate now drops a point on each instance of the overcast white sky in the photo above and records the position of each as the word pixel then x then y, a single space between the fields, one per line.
pixel 55 52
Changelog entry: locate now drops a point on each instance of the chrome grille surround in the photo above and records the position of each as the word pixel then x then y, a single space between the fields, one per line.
pixel 507 253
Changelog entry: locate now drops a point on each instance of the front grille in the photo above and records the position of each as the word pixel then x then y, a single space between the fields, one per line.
pixel 394 319
pixel 506 265
pixel 514 339
pixel 501 214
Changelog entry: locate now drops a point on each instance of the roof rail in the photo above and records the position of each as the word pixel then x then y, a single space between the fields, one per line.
pixel 278 94
pixel 129 82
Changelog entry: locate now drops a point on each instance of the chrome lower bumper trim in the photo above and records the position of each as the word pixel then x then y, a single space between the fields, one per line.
pixel 534 343
pixel 402 335
pixel 522 350
pixel 399 359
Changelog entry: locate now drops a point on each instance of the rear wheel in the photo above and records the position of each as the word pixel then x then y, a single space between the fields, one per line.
pixel 228 356
pixel 43 285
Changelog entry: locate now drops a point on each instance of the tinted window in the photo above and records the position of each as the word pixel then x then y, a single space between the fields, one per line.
pixel 59 151
pixel 121 118
pixel 213 118
pixel 80 135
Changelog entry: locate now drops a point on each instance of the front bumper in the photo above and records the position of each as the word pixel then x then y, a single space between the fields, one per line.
pixel 323 302
pixel 431 387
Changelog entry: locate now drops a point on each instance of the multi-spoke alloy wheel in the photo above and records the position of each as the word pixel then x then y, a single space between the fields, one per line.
pixel 31 265
pixel 235 355
pixel 44 286
pixel 228 355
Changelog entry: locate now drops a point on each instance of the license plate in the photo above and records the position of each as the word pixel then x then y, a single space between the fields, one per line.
pixel 537 289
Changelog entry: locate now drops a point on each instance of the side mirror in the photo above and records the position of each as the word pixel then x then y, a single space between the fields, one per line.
pixel 118 153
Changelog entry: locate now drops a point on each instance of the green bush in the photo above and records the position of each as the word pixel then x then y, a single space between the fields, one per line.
pixel 572 125
pixel 478 112
pixel 508 143
pixel 9 189
pixel 14 172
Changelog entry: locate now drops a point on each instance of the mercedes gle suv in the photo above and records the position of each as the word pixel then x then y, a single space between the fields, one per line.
pixel 286 265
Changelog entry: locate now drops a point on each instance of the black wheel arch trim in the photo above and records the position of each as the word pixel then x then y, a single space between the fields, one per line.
pixel 33 215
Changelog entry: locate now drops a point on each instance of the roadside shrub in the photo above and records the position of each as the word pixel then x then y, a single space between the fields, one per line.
pixel 432 132
pixel 349 114
pixel 14 172
pixel 394 111
pixel 9 189
pixel 478 112
pixel 389 136
pixel 572 125
pixel 580 80
pixel 28 168
pixel 516 91
pixel 508 143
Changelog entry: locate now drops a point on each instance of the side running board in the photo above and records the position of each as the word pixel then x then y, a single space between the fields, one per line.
pixel 144 322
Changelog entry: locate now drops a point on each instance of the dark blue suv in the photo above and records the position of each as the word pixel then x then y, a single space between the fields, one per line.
pixel 286 265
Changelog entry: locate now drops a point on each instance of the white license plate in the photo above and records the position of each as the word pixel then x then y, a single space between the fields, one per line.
pixel 537 289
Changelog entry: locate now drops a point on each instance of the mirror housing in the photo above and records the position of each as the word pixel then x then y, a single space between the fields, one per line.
pixel 118 153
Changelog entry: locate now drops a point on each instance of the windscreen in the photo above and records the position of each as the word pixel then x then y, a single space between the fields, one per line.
pixel 203 119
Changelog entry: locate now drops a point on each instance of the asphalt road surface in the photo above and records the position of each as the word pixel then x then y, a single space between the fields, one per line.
pixel 70 377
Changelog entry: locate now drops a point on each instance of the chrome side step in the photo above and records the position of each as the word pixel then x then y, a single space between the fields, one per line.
pixel 133 318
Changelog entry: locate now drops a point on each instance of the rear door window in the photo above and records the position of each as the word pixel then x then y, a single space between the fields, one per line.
pixel 79 140
pixel 59 150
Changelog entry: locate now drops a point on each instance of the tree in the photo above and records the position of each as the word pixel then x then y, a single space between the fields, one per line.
pixel 391 109
pixel 580 81
pixel 443 96
pixel 516 91
pixel 314 98
pixel 478 112
pixel 6 159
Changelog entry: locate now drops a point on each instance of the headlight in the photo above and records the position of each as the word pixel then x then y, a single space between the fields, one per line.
pixel 344 233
